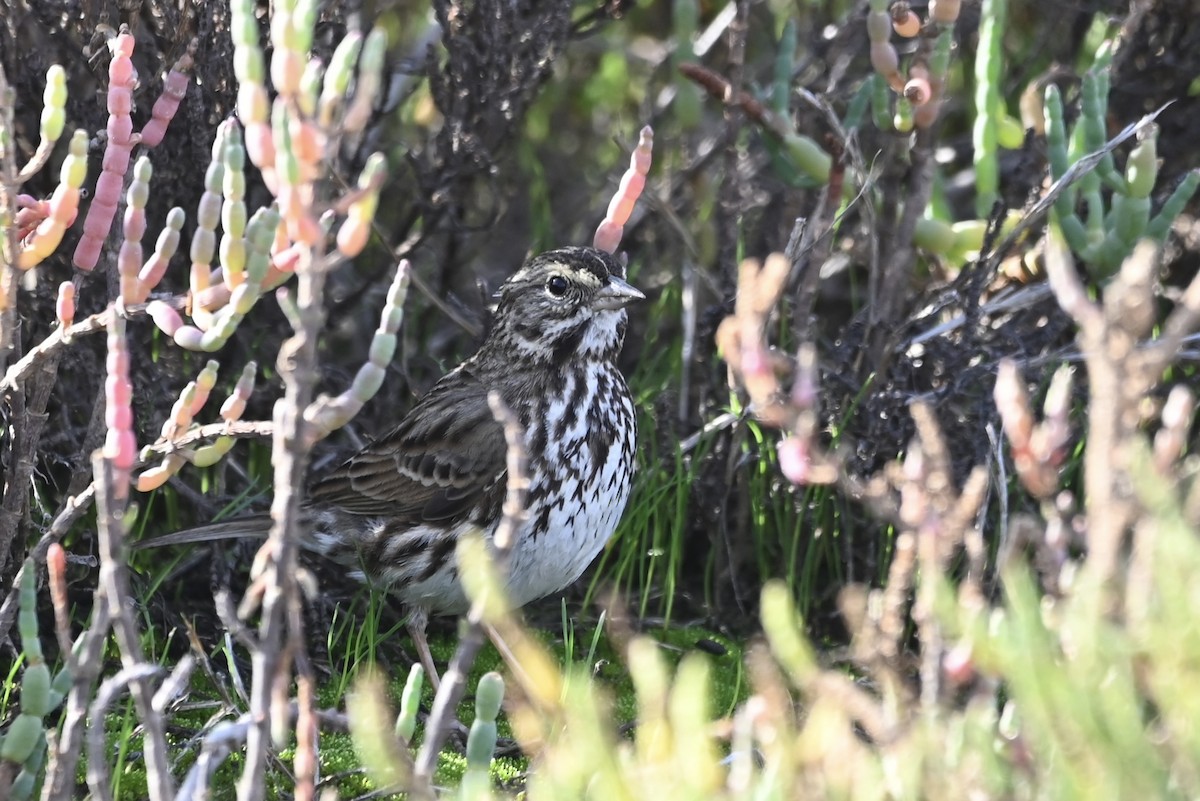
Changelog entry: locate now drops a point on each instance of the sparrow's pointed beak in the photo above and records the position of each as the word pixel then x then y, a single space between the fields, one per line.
pixel 617 294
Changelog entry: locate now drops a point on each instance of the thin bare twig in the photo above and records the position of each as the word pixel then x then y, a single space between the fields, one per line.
pixel 307 732
pixel 98 777
pixel 239 429
pixel 718 423
pixel 688 349
pixel 1181 322
pixel 60 338
pixel 28 406
pixel 114 587
pixel 812 251
pixel 729 193
pixel 84 665
pixel 278 556
pixel 217 745
pixel 8 235
pixel 226 736
pixel 175 684
pixel 454 681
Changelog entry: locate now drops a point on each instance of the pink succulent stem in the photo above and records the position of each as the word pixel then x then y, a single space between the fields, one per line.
pixel 608 234
pixel 175 86
pixel 121 79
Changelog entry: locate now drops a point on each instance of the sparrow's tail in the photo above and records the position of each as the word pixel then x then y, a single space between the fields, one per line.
pixel 318 535
pixel 239 528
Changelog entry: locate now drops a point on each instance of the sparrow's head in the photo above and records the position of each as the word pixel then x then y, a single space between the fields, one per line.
pixel 565 304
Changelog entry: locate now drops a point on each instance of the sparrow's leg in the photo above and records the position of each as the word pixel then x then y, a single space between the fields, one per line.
pixel 417 621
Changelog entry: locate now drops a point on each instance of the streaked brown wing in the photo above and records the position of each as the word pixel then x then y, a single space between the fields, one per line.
pixel 444 459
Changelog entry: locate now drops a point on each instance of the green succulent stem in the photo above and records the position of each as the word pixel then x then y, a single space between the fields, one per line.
pixel 988 102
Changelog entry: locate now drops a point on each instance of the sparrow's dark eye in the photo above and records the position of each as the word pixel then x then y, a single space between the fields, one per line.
pixel 557 286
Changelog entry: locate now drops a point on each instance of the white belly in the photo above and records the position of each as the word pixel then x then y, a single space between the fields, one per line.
pixel 583 519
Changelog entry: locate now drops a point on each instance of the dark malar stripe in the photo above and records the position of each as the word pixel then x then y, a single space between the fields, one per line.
pixel 564 347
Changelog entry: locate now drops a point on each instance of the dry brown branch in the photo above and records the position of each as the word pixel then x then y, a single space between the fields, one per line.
pixel 890 294
pixel 60 338
pixel 1121 370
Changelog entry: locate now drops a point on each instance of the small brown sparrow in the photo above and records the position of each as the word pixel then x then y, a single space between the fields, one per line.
pixel 393 513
